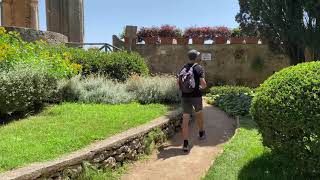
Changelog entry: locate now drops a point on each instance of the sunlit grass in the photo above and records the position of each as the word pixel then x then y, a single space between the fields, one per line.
pixel 61 129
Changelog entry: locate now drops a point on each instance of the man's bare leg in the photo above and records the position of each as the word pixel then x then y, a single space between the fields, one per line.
pixel 185 126
pixel 200 120
pixel 200 123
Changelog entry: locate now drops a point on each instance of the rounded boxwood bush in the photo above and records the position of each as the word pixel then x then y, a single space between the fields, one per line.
pixel 287 110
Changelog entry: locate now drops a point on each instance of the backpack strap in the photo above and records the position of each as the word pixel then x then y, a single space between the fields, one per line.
pixel 194 65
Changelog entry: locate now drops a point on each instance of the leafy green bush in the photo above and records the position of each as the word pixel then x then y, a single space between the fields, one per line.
pixel 117 65
pixel 234 100
pixel 158 89
pixel 287 110
pixel 24 89
pixel 151 140
pixel 223 90
pixel 14 50
pixel 94 90
pixel 234 104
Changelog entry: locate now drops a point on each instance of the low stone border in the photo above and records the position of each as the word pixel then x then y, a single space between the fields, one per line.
pixel 105 154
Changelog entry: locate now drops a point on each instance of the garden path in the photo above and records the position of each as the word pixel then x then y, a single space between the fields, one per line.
pixel 170 163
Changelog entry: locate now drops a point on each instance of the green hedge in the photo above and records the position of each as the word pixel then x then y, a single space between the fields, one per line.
pixel 25 89
pixel 234 104
pixel 116 65
pixel 287 110
pixel 223 90
pixel 234 100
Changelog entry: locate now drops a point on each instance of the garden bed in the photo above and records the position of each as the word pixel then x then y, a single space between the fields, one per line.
pixel 64 128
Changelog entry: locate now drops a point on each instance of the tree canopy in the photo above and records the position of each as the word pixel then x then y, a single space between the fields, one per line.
pixel 289 26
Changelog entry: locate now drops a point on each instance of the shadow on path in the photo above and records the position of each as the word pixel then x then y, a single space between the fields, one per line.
pixel 172 163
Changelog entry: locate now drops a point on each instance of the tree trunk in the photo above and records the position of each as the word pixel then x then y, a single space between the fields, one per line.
pixel 296 54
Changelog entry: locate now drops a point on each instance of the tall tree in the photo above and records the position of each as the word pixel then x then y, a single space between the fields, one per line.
pixel 289 25
pixel 312 23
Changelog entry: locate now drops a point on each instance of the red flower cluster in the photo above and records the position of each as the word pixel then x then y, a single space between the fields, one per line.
pixel 148 32
pixel 207 32
pixel 192 32
pixel 169 31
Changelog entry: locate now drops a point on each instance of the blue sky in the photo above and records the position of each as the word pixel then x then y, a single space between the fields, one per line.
pixel 103 18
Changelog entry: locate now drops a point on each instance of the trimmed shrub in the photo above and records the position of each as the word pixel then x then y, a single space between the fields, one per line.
pixel 117 65
pixel 94 90
pixel 158 89
pixel 234 100
pixel 223 90
pixel 234 104
pixel 24 89
pixel 287 110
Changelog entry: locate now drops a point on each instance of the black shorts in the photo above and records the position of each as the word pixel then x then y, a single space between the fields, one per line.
pixel 190 103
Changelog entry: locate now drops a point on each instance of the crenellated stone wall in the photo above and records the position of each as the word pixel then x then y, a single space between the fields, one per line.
pixel 232 64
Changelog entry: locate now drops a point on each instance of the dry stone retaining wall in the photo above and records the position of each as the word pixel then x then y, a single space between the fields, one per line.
pixel 110 153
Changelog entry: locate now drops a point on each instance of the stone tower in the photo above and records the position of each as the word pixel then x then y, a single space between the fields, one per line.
pixel 66 17
pixel 20 13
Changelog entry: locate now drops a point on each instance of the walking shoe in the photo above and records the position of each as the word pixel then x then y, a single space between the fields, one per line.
pixel 185 146
pixel 202 135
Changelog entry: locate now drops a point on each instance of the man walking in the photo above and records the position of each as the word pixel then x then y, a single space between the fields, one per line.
pixel 191 81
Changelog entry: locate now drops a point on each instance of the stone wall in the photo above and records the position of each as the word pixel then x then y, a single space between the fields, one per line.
pixel 110 153
pixel 233 64
pixel 31 35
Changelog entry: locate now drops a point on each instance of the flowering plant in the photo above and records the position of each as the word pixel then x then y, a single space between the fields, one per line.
pixel 148 32
pixel 169 31
pixel 221 31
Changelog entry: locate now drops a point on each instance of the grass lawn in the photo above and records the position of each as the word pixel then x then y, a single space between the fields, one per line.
pixel 64 128
pixel 245 158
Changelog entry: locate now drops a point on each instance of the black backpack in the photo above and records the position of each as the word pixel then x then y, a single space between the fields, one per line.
pixel 187 82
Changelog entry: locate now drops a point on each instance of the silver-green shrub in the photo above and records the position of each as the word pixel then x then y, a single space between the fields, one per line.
pixel 157 89
pixel 98 89
pixel 24 88
pixel 95 89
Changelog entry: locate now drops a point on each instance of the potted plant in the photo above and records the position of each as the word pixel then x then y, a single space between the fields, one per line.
pixel 196 34
pixel 148 35
pixel 236 36
pixel 167 33
pixel 251 40
pixel 182 39
pixel 221 34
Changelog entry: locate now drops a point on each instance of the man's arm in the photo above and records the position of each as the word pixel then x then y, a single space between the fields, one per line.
pixel 203 83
